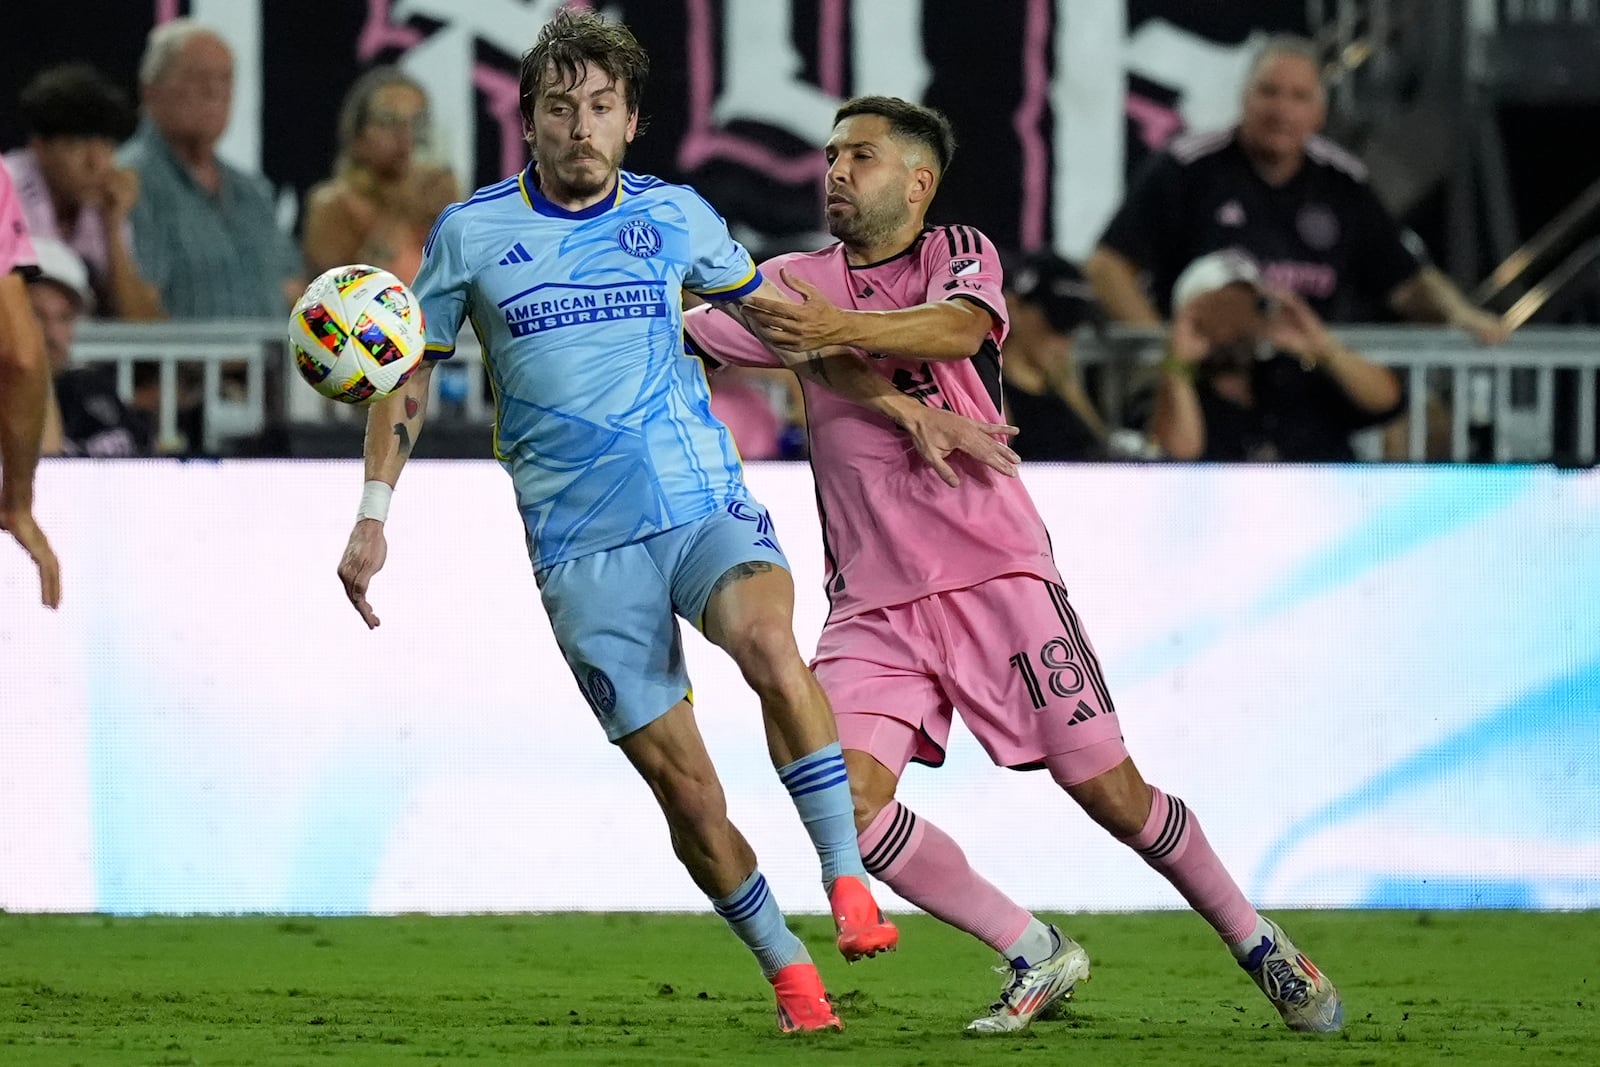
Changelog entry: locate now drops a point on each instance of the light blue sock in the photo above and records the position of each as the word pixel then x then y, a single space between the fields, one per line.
pixel 821 794
pixel 753 913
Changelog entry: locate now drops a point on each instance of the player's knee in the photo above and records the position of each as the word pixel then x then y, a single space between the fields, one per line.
pixel 872 786
pixel 1118 799
pixel 766 654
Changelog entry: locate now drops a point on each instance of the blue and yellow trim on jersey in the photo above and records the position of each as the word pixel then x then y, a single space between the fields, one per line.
pixel 750 284
pixel 531 196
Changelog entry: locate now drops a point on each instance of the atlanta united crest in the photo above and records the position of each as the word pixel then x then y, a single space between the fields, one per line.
pixel 639 238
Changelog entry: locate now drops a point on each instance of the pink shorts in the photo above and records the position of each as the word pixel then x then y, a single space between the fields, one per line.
pixel 1009 653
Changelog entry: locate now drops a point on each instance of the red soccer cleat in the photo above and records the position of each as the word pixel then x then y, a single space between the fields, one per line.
pixel 862 929
pixel 803 1005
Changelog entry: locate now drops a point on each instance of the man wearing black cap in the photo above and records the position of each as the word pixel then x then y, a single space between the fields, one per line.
pixel 1048 299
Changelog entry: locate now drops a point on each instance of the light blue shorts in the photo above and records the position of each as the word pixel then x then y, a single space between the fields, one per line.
pixel 612 611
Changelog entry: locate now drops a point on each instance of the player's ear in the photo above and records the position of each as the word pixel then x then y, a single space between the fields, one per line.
pixel 633 126
pixel 923 182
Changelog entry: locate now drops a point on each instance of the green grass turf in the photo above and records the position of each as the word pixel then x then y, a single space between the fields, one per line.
pixel 1458 988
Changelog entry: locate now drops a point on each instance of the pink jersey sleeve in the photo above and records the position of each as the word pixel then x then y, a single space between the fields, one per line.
pixel 961 263
pixel 16 247
pixel 719 337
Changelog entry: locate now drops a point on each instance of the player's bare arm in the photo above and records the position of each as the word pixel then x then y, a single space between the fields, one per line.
pixel 934 432
pixel 24 394
pixel 944 329
pixel 393 425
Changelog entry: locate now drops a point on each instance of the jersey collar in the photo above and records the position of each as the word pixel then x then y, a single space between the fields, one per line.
pixel 915 244
pixel 529 181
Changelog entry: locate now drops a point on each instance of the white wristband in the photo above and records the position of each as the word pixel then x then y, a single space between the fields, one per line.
pixel 375 501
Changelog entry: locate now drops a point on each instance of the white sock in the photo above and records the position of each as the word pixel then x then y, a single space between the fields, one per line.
pixel 1242 950
pixel 1037 944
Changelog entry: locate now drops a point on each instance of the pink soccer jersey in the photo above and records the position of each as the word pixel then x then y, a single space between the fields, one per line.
pixel 892 530
pixel 16 247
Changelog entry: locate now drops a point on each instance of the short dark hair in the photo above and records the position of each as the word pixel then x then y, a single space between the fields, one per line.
pixel 75 100
pixel 574 38
pixel 913 122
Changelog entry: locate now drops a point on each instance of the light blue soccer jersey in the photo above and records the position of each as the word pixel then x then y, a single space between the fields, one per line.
pixel 603 423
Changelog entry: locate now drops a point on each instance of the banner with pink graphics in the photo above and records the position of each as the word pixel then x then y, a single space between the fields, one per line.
pixel 1055 102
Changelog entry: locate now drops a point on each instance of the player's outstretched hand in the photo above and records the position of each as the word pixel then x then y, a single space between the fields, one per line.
pixel 937 433
pixel 814 322
pixel 18 522
pixel 363 557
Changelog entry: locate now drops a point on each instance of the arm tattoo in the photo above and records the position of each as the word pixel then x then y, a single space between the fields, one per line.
pixel 739 573
pixel 404 434
pixel 818 367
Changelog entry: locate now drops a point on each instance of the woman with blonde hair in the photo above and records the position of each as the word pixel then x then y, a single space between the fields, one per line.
pixel 382 199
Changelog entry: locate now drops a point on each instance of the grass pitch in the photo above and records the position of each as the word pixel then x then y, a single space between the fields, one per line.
pixel 1460 988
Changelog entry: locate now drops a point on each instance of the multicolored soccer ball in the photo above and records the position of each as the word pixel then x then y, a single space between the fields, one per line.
pixel 356 334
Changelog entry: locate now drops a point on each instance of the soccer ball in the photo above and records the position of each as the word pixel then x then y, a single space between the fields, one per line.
pixel 356 334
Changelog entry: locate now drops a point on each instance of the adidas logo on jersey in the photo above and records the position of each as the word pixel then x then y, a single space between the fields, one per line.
pixel 518 254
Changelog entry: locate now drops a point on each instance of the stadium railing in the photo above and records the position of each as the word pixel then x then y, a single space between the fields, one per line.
pixel 1513 395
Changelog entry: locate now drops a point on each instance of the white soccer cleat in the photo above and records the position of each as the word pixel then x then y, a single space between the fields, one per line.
pixel 1030 990
pixel 1303 995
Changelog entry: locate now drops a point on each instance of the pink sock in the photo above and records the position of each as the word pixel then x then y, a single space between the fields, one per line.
pixel 921 863
pixel 1173 843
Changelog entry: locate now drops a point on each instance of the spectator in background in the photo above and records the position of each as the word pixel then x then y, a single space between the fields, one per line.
pixel 86 417
pixel 1047 300
pixel 382 200
pixel 1294 200
pixel 205 232
pixel 71 188
pixel 1257 376
pixel 24 394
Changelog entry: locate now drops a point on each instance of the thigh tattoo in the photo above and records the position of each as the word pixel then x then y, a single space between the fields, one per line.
pixel 738 573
